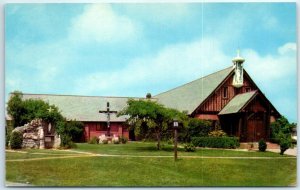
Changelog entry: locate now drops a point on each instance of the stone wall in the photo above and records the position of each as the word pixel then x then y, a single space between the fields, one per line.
pixel 34 135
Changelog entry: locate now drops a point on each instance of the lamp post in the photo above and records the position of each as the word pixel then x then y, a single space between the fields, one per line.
pixel 175 126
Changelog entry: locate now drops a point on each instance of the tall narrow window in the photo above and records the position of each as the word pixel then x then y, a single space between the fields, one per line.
pixel 248 89
pixel 225 92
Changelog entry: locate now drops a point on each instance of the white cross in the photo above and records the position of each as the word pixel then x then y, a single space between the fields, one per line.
pixel 50 109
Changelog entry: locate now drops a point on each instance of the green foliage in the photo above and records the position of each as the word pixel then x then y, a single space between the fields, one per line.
pixel 16 140
pixel 66 142
pixel 104 141
pixel 148 118
pixel 262 145
pixel 69 131
pixel 24 111
pixel 216 142
pixel 123 140
pixel 285 143
pixel 217 133
pixel 195 128
pixel 189 148
pixel 16 109
pixel 94 140
pixel 281 125
pixel 281 132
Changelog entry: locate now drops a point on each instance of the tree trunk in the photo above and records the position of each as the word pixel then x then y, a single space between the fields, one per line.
pixel 158 139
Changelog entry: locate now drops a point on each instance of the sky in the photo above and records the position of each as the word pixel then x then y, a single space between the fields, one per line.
pixel 131 49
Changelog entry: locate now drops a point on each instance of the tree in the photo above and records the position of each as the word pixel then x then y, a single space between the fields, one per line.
pixel 23 111
pixel 149 117
pixel 281 132
pixel 15 108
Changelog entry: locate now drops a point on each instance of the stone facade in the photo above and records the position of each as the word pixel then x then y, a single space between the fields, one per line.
pixel 34 135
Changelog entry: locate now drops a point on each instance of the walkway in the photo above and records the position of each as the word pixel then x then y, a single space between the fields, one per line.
pixel 80 154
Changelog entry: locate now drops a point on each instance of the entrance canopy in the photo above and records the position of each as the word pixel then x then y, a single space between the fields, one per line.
pixel 238 103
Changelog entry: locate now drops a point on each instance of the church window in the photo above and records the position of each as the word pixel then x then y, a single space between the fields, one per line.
pixel 225 92
pixel 248 89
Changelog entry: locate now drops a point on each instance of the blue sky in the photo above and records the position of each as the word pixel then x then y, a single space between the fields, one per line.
pixel 131 49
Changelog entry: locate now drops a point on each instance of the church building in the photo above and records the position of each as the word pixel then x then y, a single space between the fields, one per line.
pixel 228 97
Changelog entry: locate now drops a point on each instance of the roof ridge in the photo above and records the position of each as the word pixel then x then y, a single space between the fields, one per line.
pixel 83 96
pixel 193 81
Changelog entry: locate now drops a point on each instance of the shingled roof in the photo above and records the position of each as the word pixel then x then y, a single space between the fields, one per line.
pixel 237 103
pixel 84 108
pixel 189 96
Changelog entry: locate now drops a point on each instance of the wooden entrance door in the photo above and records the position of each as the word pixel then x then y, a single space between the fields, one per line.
pixel 256 128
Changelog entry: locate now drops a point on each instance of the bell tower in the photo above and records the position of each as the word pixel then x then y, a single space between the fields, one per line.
pixel 238 70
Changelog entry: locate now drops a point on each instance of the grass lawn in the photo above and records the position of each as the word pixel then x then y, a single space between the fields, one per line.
pixel 153 171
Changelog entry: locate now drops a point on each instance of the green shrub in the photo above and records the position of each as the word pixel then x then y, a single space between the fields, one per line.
pixel 123 140
pixel 285 143
pixel 93 140
pixel 16 140
pixel 262 145
pixel 105 141
pixel 216 142
pixel 66 142
pixel 189 148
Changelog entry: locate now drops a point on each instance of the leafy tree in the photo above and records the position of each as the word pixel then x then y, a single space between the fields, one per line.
pixel 15 108
pixel 148 117
pixel 281 131
pixel 23 111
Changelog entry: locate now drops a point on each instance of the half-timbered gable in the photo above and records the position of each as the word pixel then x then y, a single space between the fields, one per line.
pixel 221 96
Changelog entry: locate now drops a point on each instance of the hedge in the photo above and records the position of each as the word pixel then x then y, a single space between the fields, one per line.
pixel 216 142
pixel 16 140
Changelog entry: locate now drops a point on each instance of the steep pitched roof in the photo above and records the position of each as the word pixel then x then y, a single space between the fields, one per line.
pixel 237 103
pixel 84 108
pixel 189 96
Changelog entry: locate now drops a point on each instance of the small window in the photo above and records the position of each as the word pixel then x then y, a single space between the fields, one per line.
pixel 101 127
pixel 248 89
pixel 225 92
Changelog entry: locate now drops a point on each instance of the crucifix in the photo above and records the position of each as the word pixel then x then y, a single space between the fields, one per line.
pixel 108 112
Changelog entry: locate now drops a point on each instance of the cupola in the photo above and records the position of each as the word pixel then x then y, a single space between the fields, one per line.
pixel 238 70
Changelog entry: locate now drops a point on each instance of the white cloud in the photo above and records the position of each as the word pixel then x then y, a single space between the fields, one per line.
pixel 173 64
pixel 162 13
pixel 100 23
pixel 272 67
pixel 287 48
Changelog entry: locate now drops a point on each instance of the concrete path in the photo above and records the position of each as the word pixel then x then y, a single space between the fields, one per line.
pixel 14 184
pixel 290 151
